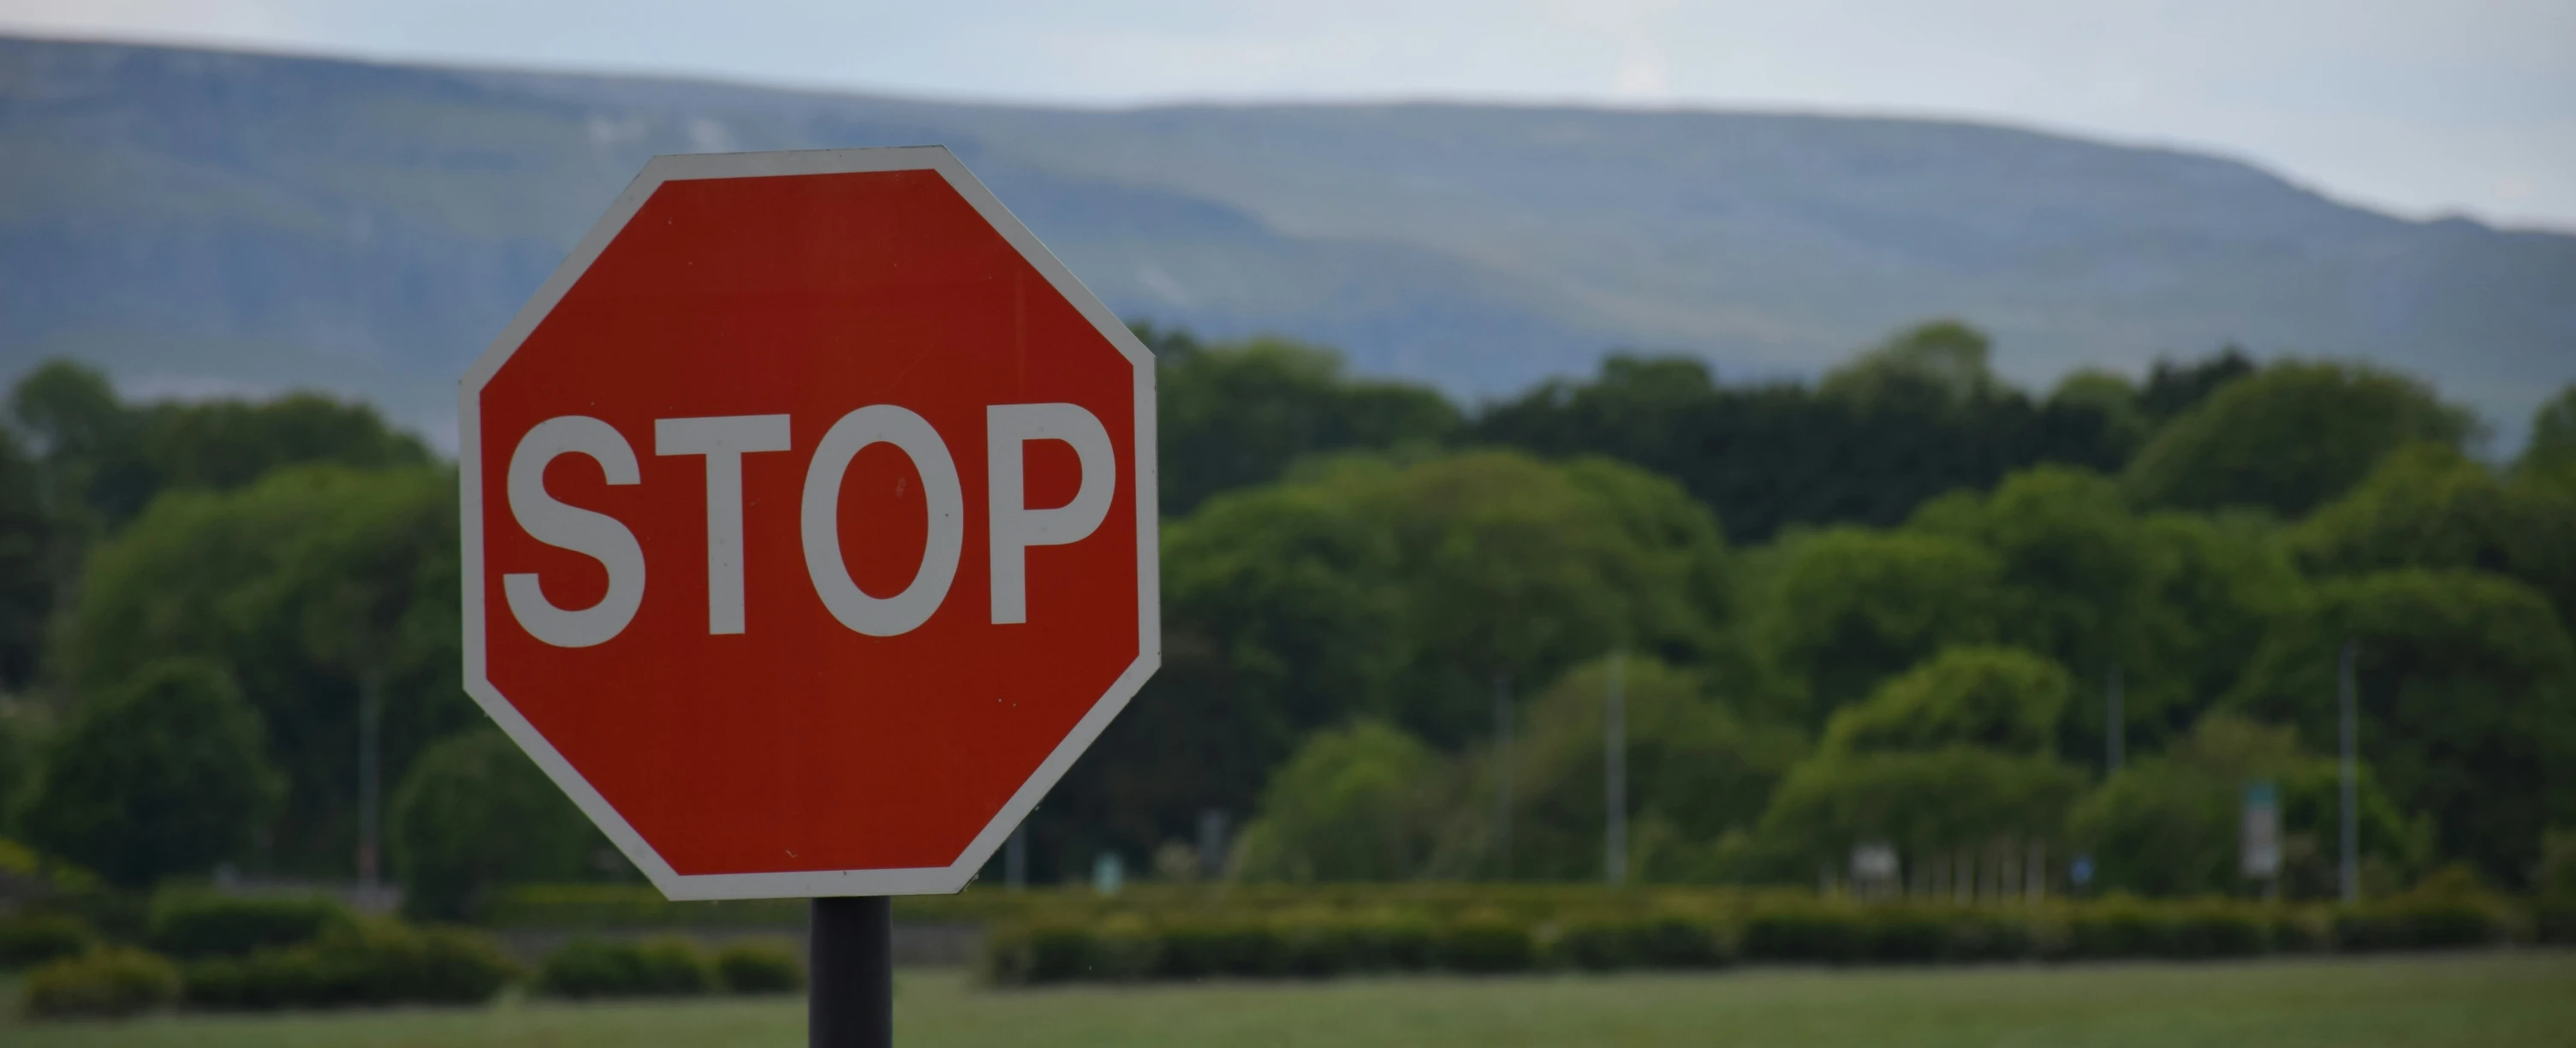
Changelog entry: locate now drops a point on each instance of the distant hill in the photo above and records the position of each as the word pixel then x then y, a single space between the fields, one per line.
pixel 205 221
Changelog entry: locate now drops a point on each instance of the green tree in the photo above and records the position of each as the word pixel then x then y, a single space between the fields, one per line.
pixel 475 814
pixel 1697 769
pixel 162 775
pixel 2075 568
pixel 2218 587
pixel 1936 807
pixel 26 575
pixel 1355 804
pixel 2290 438
pixel 2168 824
pixel 2002 699
pixel 2467 702
pixel 2429 506
pixel 295 584
pixel 1237 414
pixel 1849 608
pixel 1941 364
pixel 2550 452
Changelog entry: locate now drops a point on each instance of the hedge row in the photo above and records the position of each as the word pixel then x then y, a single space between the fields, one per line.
pixel 667 967
pixel 1128 947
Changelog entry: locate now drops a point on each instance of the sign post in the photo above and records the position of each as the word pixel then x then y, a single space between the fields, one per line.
pixel 809 535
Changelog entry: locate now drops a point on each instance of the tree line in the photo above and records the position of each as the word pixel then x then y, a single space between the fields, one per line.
pixel 1882 607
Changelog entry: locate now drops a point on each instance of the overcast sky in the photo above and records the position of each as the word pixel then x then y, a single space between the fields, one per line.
pixel 2423 108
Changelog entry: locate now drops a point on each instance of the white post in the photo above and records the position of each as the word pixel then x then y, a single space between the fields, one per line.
pixel 1614 763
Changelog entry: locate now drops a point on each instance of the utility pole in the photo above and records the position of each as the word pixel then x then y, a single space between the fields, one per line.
pixel 2350 867
pixel 2115 725
pixel 1614 765
pixel 370 781
pixel 1503 775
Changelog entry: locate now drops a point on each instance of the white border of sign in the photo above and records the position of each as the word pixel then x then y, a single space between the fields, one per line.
pixel 1149 633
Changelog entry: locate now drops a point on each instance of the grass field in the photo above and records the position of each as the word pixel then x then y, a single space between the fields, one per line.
pixel 2453 1001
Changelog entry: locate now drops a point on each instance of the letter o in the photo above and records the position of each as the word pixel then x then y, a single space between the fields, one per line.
pixel 821 517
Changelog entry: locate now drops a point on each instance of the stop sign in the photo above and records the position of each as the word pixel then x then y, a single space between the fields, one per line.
pixel 809 523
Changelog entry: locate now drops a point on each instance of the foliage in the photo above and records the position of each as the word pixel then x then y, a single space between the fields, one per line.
pixel 165 774
pixel 1915 418
pixel 303 586
pixel 106 984
pixel 1352 805
pixel 1849 608
pixel 34 939
pixel 2290 438
pixel 1204 942
pixel 660 967
pixel 2465 686
pixel 476 813
pixel 1923 803
pixel 2550 452
pixel 190 925
pixel 27 567
pixel 759 967
pixel 2168 825
pixel 2429 506
pixel 371 963
pixel 1696 770
pixel 2001 699
pixel 1237 414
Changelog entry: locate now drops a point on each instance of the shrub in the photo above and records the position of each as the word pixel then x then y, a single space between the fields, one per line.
pixel 2117 928
pixel 2215 929
pixel 106 984
pixel 2296 930
pixel 759 967
pixel 193 925
pixel 1991 936
pixel 2418 924
pixel 1901 934
pixel 1662 942
pixel 1484 946
pixel 1193 949
pixel 664 967
pixel 2554 922
pixel 1803 933
pixel 29 941
pixel 372 964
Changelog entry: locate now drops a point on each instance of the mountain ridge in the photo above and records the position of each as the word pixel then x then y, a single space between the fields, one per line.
pixel 198 219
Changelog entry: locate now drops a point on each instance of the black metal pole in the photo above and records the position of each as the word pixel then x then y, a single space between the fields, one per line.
pixel 850 986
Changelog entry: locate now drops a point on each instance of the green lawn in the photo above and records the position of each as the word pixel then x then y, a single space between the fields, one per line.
pixel 2453 1001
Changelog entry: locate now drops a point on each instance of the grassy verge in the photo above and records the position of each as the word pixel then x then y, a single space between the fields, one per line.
pixel 2451 1000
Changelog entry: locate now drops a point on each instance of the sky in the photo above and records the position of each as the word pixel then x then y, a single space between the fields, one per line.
pixel 2419 108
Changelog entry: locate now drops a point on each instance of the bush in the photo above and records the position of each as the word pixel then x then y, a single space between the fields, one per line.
pixel 191 925
pixel 106 984
pixel 2118 928
pixel 759 967
pixel 2554 922
pixel 29 941
pixel 1992 937
pixel 1190 950
pixel 586 968
pixel 2418 924
pixel 2215 929
pixel 1803 933
pixel 1902 934
pixel 377 963
pixel 1484 946
pixel 1663 943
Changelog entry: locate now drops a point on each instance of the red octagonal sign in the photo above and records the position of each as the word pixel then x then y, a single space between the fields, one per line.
pixel 809 523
